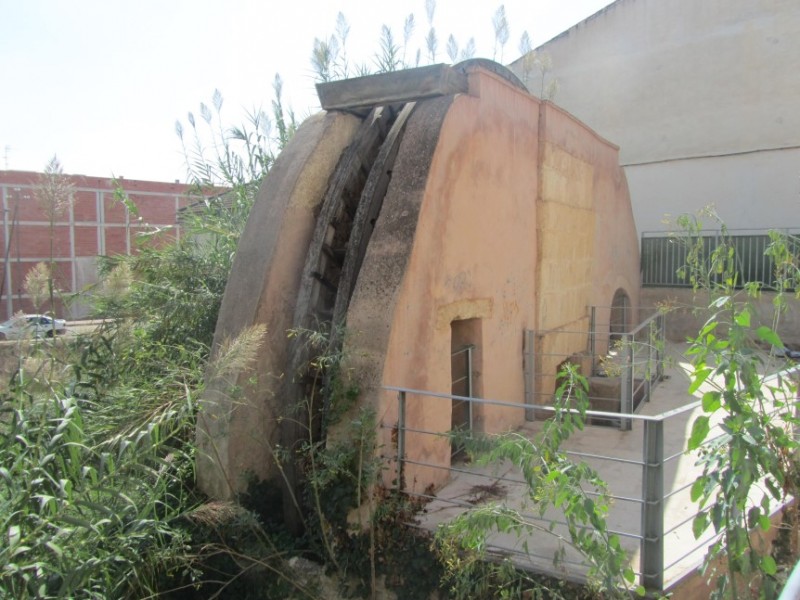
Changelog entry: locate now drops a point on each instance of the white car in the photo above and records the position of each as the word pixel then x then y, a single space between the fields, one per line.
pixel 28 326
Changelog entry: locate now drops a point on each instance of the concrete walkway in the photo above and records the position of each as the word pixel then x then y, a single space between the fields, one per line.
pixel 478 486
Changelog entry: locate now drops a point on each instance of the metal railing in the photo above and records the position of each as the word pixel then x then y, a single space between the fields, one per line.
pixel 463 381
pixel 634 357
pixel 662 256
pixel 659 487
pixel 640 362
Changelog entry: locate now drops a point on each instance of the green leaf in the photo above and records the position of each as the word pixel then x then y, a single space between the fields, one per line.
pixel 700 429
pixel 14 535
pixel 700 524
pixel 766 334
pixel 717 515
pixel 699 377
pixel 768 565
pixel 764 522
pixel 6 474
pixel 55 548
pixel 720 302
pixel 698 489
pixel 752 516
pixel 743 318
pixel 552 475
pixel 70 520
pixel 711 401
pixel 20 550
pixel 773 489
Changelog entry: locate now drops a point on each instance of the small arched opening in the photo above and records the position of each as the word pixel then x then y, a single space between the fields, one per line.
pixel 620 314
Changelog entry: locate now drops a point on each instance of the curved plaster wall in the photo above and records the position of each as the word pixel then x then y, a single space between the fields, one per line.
pixel 501 214
pixel 474 251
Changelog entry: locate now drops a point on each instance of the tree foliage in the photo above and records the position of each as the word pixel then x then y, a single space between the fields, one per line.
pixel 554 481
pixel 746 437
pixel 96 451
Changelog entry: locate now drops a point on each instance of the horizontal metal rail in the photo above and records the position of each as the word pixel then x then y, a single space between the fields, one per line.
pixel 504 479
pixel 544 408
pixel 711 540
pixel 685 521
pixel 530 518
pixel 655 524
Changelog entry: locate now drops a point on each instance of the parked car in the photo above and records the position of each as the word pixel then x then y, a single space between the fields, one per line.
pixel 25 326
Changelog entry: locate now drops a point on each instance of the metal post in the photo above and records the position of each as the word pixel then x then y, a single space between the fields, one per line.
pixel 401 438
pixel 528 371
pixel 650 372
pixel 626 384
pixel 652 544
pixel 662 340
pixel 469 388
pixel 592 340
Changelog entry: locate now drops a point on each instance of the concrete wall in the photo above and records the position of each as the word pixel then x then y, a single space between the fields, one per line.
pixel 96 224
pixel 689 312
pixel 702 99
pixel 759 190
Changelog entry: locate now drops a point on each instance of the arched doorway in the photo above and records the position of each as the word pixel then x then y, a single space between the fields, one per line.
pixel 620 314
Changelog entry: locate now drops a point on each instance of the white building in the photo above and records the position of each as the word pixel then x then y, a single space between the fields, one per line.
pixel 703 98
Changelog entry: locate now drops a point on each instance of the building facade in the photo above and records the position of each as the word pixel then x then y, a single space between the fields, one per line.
pixel 701 98
pixel 95 224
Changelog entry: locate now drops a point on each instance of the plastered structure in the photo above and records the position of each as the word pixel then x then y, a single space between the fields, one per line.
pixel 502 214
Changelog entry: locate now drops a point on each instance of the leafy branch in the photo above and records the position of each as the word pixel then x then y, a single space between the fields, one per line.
pixel 745 440
pixel 553 481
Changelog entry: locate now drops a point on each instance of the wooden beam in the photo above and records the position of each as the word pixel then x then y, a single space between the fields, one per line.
pixel 391 88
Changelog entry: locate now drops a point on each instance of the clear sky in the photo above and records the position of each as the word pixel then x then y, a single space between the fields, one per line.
pixel 100 83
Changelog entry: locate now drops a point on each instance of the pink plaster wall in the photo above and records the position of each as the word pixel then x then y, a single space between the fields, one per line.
pixel 474 256
pixel 615 263
pixel 478 212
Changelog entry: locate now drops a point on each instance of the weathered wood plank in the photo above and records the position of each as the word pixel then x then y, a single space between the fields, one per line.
pixel 368 209
pixel 316 298
pixel 397 87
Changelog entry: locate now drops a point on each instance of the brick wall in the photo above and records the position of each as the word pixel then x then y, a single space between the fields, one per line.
pixel 94 225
